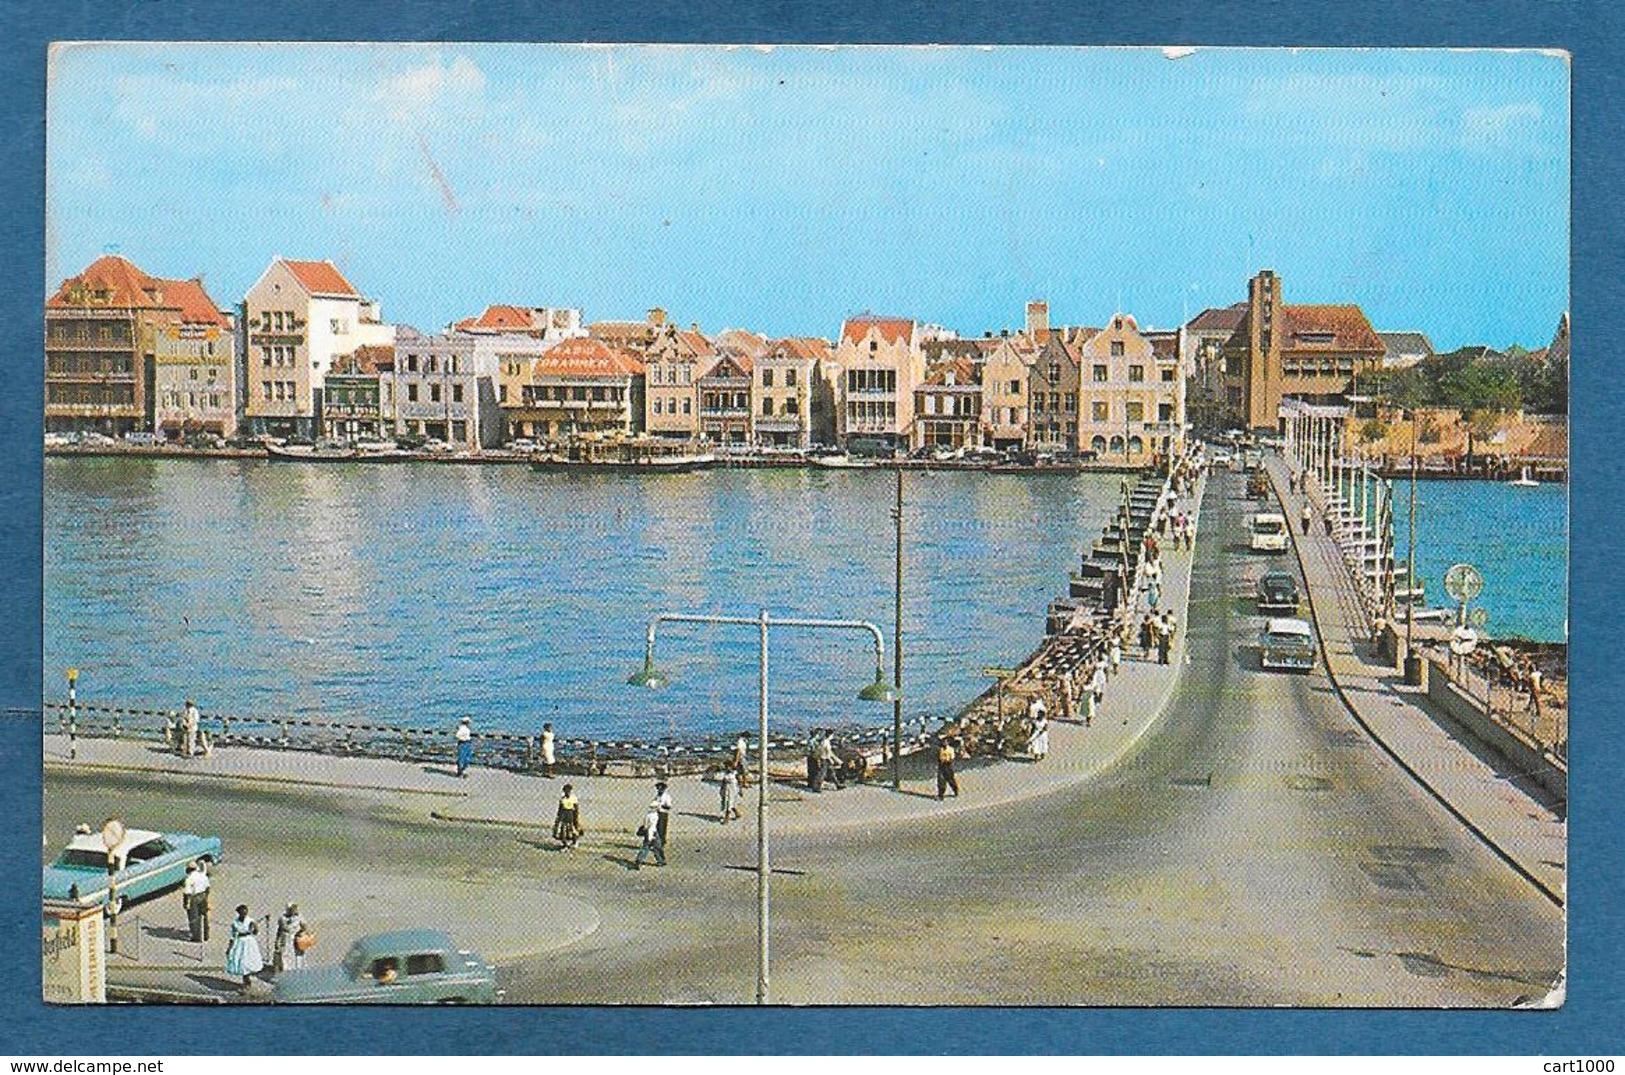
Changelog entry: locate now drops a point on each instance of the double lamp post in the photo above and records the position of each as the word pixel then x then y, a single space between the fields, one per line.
pixel 877 691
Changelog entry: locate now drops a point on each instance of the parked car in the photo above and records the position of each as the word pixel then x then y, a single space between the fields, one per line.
pixel 435 444
pixel 409 966
pixel 147 863
pixel 1277 592
pixel 523 444
pixel 57 440
pixel 98 440
pixel 142 438
pixel 1286 643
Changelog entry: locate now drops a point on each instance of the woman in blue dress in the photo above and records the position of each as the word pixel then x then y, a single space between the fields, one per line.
pixel 243 957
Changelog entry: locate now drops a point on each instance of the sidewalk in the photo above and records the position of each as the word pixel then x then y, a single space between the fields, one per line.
pixel 1462 776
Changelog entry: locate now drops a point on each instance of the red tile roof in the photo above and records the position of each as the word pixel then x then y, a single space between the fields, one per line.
pixel 812 347
pixel 320 278
pixel 195 305
pixel 586 357
pixel 511 318
pixel 127 287
pixel 1347 326
pixel 891 329
pixel 963 369
pixel 743 340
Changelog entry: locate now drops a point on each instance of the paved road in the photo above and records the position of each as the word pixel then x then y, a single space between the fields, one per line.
pixel 1254 848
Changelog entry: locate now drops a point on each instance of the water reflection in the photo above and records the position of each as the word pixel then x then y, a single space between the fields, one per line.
pixel 422 592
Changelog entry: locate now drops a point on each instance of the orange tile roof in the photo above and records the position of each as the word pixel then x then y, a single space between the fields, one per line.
pixel 743 340
pixel 963 369
pixel 891 329
pixel 1349 329
pixel 515 318
pixel 584 356
pixel 696 342
pixel 813 347
pixel 195 305
pixel 320 278
pixel 127 287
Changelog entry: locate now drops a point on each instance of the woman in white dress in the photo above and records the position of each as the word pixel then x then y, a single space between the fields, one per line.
pixel 243 956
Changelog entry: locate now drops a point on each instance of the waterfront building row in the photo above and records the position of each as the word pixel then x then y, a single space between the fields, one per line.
pixel 307 355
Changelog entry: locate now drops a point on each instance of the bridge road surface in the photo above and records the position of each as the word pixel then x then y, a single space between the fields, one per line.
pixel 1258 848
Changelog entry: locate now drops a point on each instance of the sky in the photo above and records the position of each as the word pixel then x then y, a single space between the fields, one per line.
pixel 785 189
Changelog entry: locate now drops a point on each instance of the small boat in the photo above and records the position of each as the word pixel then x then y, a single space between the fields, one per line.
pixel 1425 615
pixel 305 453
pixel 1525 481
pixel 639 463
pixel 842 462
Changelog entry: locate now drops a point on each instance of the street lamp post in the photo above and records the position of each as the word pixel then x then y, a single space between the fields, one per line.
pixel 897 648
pixel 878 691
pixel 1413 667
pixel 112 835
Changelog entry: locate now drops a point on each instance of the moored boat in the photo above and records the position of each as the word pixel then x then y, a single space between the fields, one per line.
pixel 305 453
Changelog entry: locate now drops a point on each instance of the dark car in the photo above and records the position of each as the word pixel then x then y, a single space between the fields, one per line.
pixel 1277 592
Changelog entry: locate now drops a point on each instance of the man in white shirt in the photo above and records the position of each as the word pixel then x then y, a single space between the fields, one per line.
pixel 195 898
pixel 465 746
pixel 547 750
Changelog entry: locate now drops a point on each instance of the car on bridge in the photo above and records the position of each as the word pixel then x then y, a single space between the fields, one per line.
pixel 1267 532
pixel 1286 643
pixel 145 864
pixel 404 966
pixel 1277 592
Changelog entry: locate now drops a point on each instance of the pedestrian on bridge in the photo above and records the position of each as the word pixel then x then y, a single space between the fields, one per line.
pixel 567 822
pixel 1096 695
pixel 465 746
pixel 547 750
pixel 1114 653
pixel 190 718
pixel 945 769
pixel 1307 515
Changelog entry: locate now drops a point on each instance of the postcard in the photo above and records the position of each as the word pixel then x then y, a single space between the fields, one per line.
pixel 656 525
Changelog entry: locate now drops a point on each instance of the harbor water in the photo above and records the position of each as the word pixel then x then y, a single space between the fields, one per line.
pixel 416 593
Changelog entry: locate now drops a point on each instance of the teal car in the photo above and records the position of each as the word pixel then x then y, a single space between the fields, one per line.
pixel 145 863
pixel 406 966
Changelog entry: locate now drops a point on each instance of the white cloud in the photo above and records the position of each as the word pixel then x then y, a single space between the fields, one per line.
pixel 409 94
pixel 1505 127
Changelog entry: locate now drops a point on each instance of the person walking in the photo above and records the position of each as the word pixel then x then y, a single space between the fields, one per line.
pixel 465 746
pixel 547 751
pixel 1038 740
pixel 662 805
pixel 815 767
pixel 652 843
pixel 190 718
pixel 1096 695
pixel 1114 654
pixel 1165 642
pixel 741 763
pixel 1168 631
pixel 195 899
pixel 729 790
pixel 243 958
pixel 945 769
pixel 567 821
pixel 828 764
pixel 1148 637
pixel 285 955
pixel 1307 515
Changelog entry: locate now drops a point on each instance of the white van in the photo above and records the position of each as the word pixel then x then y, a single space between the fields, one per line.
pixel 1268 530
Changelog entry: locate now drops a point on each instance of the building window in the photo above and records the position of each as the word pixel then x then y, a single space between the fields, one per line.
pixel 502 393
pixel 340 326
pixel 1134 411
pixel 767 405
pixel 1100 411
pixel 792 406
pixel 1071 402
pixel 1015 388
pixel 457 393
pixel 1100 374
pixel 1168 375
pixel 412 392
pixel 767 378
pixel 687 406
pixel 874 345
pixel 1165 412
pixel 267 387
pixel 790 378
pixel 1136 374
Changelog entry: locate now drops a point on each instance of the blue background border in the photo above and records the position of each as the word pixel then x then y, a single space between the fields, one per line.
pixel 1588 1024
